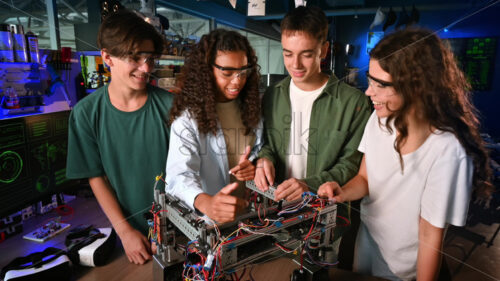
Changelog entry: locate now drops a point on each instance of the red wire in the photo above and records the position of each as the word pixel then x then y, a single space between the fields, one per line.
pixel 65 210
pixel 154 219
pixel 345 219
pixel 288 220
pixel 282 247
pixel 234 239
pixel 258 213
pixel 213 272
pixel 312 226
pixel 154 223
pixel 161 211
pixel 202 264
pixel 243 273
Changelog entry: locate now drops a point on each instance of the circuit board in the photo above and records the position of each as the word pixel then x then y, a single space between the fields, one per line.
pixel 47 231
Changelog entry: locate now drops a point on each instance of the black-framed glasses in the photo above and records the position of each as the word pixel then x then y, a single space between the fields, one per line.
pixel 231 72
pixel 381 83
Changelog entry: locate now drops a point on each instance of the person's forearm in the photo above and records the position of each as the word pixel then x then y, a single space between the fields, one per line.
pixel 355 189
pixel 202 202
pixel 429 251
pixel 109 204
pixel 341 173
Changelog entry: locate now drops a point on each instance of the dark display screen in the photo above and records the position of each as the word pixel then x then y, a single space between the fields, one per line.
pixel 476 57
pixel 33 153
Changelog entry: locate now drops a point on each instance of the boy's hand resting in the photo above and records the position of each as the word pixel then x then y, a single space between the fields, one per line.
pixel 222 207
pixel 136 246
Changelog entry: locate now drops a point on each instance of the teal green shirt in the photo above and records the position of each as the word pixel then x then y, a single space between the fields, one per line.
pixel 338 119
pixel 129 148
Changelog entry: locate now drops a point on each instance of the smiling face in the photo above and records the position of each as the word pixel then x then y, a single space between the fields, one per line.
pixel 384 98
pixel 302 56
pixel 230 82
pixel 131 74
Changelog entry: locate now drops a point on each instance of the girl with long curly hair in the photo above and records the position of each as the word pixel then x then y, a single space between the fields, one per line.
pixel 423 157
pixel 216 129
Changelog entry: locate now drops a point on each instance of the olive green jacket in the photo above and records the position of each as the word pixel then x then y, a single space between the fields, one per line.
pixel 338 119
pixel 337 123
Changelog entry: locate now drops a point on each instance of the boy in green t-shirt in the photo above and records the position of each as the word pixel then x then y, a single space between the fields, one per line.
pixel 118 136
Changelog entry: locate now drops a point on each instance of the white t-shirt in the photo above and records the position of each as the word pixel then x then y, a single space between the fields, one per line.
pixel 301 106
pixel 436 185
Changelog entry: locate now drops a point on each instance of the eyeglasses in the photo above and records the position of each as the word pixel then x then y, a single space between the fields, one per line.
pixel 141 58
pixel 378 86
pixel 232 72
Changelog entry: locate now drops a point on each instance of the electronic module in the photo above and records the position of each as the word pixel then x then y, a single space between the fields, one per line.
pixel 213 251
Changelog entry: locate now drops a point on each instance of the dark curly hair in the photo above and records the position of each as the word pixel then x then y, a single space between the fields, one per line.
pixel 424 72
pixel 198 86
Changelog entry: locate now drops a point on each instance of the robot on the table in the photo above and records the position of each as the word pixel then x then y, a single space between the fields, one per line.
pixel 303 228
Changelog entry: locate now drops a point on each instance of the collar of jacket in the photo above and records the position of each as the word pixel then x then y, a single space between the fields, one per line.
pixel 333 81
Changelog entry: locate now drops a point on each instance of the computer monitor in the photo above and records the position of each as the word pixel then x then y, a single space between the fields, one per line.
pixel 476 56
pixel 33 153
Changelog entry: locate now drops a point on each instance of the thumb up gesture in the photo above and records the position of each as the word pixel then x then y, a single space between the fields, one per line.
pixel 222 207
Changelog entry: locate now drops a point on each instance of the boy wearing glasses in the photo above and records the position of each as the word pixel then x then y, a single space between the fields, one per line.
pixel 313 121
pixel 118 136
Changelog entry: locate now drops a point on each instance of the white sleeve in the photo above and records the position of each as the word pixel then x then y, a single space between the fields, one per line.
pixel 259 141
pixel 183 162
pixel 447 191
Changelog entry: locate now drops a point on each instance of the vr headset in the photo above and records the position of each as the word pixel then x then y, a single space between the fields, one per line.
pixel 86 245
pixel 50 264
pixel 89 246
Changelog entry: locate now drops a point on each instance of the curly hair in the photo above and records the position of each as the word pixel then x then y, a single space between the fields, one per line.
pixel 198 86
pixel 424 72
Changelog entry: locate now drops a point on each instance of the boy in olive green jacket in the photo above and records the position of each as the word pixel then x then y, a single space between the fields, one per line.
pixel 313 122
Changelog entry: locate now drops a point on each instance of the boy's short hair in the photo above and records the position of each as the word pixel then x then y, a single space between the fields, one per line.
pixel 122 32
pixel 311 20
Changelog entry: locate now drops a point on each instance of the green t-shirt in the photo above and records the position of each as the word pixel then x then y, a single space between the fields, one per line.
pixel 130 148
